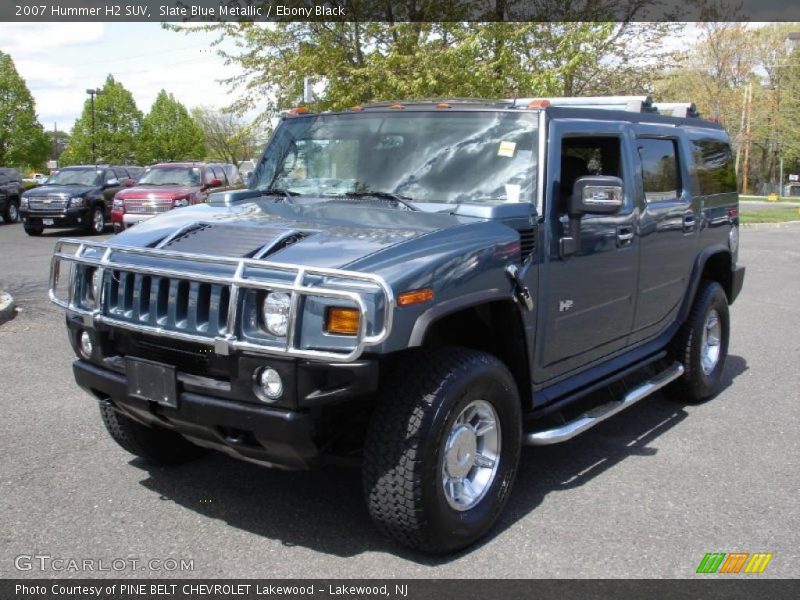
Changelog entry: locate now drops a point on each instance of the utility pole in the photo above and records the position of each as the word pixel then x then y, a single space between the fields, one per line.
pixel 92 94
pixel 780 180
pixel 746 159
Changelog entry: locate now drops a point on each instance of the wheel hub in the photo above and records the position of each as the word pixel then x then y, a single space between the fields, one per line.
pixel 471 455
pixel 460 455
pixel 712 336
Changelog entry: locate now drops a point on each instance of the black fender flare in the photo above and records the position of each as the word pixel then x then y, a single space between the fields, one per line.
pixel 454 305
pixel 697 272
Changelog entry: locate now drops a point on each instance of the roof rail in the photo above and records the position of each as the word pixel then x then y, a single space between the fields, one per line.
pixel 627 103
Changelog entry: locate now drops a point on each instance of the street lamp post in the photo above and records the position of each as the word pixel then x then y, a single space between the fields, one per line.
pixel 92 94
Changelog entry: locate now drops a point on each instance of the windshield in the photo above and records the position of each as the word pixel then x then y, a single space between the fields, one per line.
pixel 76 177
pixel 170 176
pixel 475 157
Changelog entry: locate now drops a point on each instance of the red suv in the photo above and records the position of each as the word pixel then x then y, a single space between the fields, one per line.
pixel 165 186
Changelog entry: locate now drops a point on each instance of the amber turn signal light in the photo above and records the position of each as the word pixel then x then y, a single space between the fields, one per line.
pixel 415 297
pixel 342 321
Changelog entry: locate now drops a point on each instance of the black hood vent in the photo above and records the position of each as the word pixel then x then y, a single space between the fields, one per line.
pixel 221 239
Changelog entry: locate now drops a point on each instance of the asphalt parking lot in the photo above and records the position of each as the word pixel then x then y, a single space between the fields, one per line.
pixel 646 494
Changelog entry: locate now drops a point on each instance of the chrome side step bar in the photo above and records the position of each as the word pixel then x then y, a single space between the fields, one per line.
pixel 597 415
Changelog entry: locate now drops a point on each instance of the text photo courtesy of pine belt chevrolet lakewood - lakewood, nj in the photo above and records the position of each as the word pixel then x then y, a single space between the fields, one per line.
pixel 375 299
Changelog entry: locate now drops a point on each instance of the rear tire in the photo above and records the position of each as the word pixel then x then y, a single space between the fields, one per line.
pixel 157 446
pixel 701 345
pixel 34 228
pixel 11 213
pixel 430 479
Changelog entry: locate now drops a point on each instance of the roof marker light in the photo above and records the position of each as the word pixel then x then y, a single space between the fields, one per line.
pixel 543 103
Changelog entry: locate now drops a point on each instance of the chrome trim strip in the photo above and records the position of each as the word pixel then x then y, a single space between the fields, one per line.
pixel 540 183
pixel 597 415
pixel 240 279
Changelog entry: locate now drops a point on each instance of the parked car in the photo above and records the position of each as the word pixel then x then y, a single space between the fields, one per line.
pixel 78 196
pixel 165 186
pixel 11 189
pixel 420 288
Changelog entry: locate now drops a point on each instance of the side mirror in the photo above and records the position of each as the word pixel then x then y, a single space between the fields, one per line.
pixel 215 183
pixel 112 182
pixel 129 182
pixel 597 195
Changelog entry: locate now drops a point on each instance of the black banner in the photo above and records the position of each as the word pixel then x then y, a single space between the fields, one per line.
pixel 731 588
pixel 394 11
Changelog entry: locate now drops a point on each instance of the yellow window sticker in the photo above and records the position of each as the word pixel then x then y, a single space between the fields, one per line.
pixel 507 149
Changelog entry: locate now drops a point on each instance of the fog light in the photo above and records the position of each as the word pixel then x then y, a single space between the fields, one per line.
pixel 86 345
pixel 269 384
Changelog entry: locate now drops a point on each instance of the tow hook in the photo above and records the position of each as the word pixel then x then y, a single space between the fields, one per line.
pixel 521 291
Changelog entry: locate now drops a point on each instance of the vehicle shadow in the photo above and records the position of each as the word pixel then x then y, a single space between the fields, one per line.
pixel 324 510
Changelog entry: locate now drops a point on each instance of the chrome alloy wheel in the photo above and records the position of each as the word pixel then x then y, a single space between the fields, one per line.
pixel 712 336
pixel 98 221
pixel 471 455
pixel 13 213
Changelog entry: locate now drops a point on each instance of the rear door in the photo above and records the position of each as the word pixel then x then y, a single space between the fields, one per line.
pixel 668 228
pixel 587 296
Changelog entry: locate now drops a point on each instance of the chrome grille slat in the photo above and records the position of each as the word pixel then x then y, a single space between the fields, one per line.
pixel 50 202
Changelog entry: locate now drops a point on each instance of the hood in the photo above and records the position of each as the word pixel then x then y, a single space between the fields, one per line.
pixel 323 235
pixel 157 191
pixel 59 190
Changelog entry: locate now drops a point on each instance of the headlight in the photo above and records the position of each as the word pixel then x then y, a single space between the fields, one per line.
pixel 92 292
pixel 77 201
pixel 178 202
pixel 23 203
pixel 276 313
pixel 118 203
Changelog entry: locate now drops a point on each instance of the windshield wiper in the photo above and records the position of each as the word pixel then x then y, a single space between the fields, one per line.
pixel 388 196
pixel 287 194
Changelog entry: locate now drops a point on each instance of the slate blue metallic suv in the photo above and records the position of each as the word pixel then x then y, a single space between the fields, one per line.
pixel 419 288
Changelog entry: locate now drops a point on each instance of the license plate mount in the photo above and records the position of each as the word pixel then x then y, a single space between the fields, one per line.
pixel 152 381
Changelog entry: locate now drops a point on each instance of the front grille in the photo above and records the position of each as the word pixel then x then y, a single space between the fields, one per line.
pixel 170 303
pixel 48 203
pixel 144 206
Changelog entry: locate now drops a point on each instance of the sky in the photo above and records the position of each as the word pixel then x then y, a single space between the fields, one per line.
pixel 60 61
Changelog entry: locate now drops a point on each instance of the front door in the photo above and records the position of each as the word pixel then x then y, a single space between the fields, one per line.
pixel 588 286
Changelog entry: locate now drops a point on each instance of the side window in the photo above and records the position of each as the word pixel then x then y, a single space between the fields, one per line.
pixel 588 156
pixel 714 166
pixel 660 173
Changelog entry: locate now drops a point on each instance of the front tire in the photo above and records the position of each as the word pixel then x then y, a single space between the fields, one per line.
pixel 11 213
pixel 34 228
pixel 97 221
pixel 157 446
pixel 442 448
pixel 701 345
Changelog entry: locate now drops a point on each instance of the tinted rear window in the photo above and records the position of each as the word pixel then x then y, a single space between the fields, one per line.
pixel 714 164
pixel 659 170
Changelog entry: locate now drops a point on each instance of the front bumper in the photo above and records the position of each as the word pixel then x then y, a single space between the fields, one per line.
pixel 131 219
pixel 217 404
pixel 70 217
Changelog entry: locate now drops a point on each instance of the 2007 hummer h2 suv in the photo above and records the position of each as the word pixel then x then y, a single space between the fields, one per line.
pixel 420 286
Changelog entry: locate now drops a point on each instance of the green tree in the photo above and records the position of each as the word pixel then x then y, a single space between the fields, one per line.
pixel 553 51
pixel 227 138
pixel 169 132
pixel 118 124
pixel 22 139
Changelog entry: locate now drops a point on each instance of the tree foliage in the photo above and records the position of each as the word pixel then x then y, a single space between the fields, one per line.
pixel 570 50
pixel 227 138
pixel 22 139
pixel 118 124
pixel 169 132
pixel 716 71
